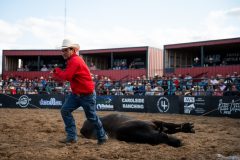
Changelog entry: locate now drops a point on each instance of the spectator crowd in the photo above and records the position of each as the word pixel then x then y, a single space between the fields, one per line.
pixel 179 85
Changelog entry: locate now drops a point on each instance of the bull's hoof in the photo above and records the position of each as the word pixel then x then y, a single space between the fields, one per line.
pixel 188 128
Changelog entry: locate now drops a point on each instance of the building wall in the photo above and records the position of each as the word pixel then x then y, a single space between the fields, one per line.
pixel 210 71
pixel 155 62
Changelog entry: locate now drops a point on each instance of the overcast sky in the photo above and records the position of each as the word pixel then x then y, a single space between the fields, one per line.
pixel 98 24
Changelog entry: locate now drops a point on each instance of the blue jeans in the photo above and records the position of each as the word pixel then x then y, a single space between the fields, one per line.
pixel 88 103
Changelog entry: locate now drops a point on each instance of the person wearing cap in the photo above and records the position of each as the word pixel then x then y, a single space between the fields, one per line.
pixel 83 93
pixel 44 68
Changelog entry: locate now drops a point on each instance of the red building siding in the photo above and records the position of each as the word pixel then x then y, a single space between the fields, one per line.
pixel 31 52
pixel 153 61
pixel 120 74
pixel 210 71
pixel 28 74
pixel 112 74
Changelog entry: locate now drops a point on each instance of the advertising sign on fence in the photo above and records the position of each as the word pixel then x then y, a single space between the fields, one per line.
pixel 195 105
pixel 32 101
pixel 229 106
pixel 162 104
pixel 105 103
pixel 131 103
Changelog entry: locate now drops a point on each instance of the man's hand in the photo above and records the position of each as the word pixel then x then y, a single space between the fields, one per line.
pixel 53 70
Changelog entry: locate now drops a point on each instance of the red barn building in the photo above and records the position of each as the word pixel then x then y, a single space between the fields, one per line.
pixel 137 61
pixel 214 57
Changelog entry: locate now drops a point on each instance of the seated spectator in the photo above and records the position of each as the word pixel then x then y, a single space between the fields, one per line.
pixel 50 67
pixel 203 83
pixel 232 92
pixel 20 69
pixel 218 92
pixel 196 62
pixel 228 82
pixel 209 90
pixel 188 77
pixel 118 92
pixel 132 65
pixel 158 91
pixel 44 68
pixel 141 89
pixel 129 89
pixel 189 84
pixel 234 76
pixel 23 88
pixel 171 87
pixel 135 88
pixel 198 91
pixel 213 81
pixel 144 77
pixel 164 82
pixel 123 65
pixel 149 91
pixel 211 61
pixel 92 66
pixel 116 66
pixel 26 68
pixel 224 63
pixel 188 92
pixel 178 92
pixel 230 86
pixel 221 85
pixel 12 89
pixel 11 79
pixel 108 83
pixel 176 81
pixel 237 82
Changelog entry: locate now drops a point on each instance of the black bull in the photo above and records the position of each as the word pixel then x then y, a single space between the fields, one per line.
pixel 125 128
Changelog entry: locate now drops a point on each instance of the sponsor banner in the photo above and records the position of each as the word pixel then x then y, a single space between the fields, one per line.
pixel 209 106
pixel 195 105
pixel 25 101
pixel 131 103
pixel 8 101
pixel 31 101
pixel 105 103
pixel 50 101
pixel 212 106
pixel 228 106
pixel 162 104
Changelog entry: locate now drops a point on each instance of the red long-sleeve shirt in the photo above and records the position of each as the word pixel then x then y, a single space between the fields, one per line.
pixel 78 74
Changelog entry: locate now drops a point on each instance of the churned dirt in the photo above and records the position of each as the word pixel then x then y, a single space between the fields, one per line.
pixel 34 134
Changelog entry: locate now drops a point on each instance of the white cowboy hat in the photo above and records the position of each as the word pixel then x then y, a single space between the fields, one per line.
pixel 67 43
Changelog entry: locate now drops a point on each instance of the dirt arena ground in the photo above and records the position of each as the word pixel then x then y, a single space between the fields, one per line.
pixel 34 134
